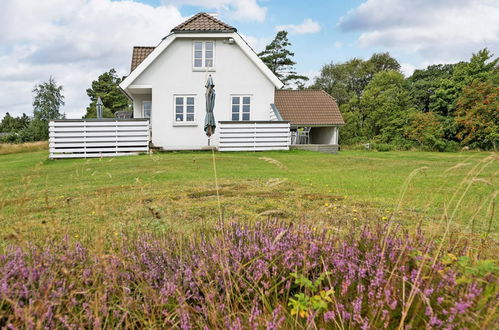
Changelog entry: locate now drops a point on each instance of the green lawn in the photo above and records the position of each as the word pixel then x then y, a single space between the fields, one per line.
pixel 41 198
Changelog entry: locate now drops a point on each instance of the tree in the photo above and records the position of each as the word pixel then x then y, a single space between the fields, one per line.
pixel 423 83
pixel 380 113
pixel 107 87
pixel 47 101
pixel 279 60
pixel 426 129
pixel 477 114
pixel 346 80
pixel 14 124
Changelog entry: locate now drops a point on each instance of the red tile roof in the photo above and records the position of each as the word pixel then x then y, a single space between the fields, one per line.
pixel 308 107
pixel 203 22
pixel 139 54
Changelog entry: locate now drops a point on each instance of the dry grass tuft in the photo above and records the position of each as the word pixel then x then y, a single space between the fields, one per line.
pixel 13 148
pixel 274 162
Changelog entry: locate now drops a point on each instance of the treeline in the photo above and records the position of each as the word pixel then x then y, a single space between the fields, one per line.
pixel 444 107
pixel 47 101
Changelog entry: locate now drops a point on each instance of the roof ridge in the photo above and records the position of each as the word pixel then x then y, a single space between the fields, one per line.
pixel 182 26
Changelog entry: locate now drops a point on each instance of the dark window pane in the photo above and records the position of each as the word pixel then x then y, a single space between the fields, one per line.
pixel 235 116
pixel 198 63
pixel 209 63
pixel 246 100
pixel 179 109
pixel 235 108
pixel 235 100
pixel 246 116
pixel 209 54
pixel 179 100
pixel 189 117
pixel 198 54
pixel 179 117
pixel 190 100
pixel 147 105
pixel 209 46
pixel 246 108
pixel 190 109
pixel 198 45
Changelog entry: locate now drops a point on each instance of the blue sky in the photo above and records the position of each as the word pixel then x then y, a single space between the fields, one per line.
pixel 76 40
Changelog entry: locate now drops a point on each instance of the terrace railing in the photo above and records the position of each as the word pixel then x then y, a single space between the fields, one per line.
pixel 253 135
pixel 84 138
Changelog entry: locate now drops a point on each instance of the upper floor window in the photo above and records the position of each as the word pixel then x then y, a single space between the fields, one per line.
pixel 241 107
pixel 203 54
pixel 146 109
pixel 184 109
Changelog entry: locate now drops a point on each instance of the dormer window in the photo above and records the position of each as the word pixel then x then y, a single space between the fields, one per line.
pixel 203 55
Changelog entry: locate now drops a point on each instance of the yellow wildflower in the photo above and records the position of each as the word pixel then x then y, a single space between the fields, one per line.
pixel 384 218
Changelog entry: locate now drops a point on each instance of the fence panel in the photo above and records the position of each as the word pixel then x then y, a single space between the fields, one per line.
pixel 85 138
pixel 254 135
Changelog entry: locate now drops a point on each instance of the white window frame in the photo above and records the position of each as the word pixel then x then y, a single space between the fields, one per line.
pixel 240 112
pixel 184 121
pixel 203 66
pixel 143 110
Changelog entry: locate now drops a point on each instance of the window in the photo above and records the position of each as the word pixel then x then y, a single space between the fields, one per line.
pixel 146 109
pixel 241 107
pixel 204 54
pixel 184 109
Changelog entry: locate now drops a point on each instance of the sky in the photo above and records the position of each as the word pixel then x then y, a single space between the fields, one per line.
pixel 75 41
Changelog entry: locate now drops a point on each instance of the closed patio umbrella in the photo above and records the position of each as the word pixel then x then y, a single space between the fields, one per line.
pixel 209 121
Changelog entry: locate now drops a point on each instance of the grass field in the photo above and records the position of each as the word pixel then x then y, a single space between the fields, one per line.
pixel 411 237
pixel 177 190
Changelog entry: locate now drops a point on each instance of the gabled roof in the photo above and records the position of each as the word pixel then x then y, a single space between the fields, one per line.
pixel 308 107
pixel 203 22
pixel 139 54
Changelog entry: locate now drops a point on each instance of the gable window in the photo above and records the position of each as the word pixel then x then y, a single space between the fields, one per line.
pixel 184 108
pixel 241 107
pixel 203 54
pixel 146 109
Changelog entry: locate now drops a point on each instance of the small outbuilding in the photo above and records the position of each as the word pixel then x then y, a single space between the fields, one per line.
pixel 314 117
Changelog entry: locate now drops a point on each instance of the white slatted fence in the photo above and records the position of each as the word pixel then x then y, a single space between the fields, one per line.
pixel 253 135
pixel 84 138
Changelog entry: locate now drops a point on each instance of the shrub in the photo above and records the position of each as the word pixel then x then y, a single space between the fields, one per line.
pixel 270 275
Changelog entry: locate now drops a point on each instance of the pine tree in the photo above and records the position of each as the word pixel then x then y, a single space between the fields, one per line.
pixel 107 87
pixel 279 60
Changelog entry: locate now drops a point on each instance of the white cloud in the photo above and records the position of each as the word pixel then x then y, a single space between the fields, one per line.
pixel 258 44
pixel 72 41
pixel 407 69
pixel 308 26
pixel 242 10
pixel 338 44
pixel 444 30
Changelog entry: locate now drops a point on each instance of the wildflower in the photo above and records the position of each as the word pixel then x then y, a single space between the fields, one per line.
pixel 384 218
pixel 354 210
pixel 329 316
pixel 115 234
pixel 334 208
pixel 355 219
pixel 76 235
pixel 326 204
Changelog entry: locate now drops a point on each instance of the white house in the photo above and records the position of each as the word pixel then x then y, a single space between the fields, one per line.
pixel 167 85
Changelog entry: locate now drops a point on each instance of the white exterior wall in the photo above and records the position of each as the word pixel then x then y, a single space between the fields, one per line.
pixel 324 135
pixel 137 104
pixel 172 74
